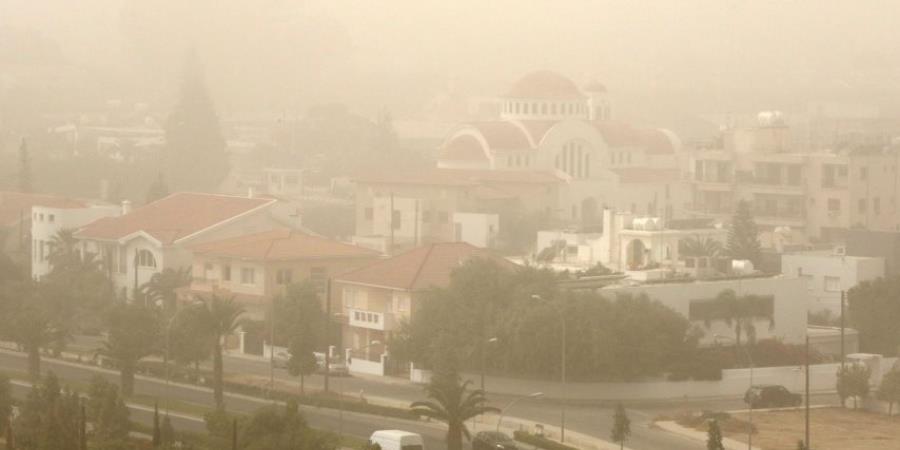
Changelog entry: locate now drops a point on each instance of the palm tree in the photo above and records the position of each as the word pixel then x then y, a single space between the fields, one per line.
pixel 453 403
pixel 698 246
pixel 133 334
pixel 739 312
pixel 162 286
pixel 220 318
pixel 62 248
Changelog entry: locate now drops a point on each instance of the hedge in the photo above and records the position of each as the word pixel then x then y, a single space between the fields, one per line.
pixel 540 441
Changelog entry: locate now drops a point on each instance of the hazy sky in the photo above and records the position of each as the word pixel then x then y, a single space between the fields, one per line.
pixel 655 56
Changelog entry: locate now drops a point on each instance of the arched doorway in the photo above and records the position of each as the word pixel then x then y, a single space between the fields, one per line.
pixel 636 250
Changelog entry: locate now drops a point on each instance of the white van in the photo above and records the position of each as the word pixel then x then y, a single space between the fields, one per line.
pixel 397 440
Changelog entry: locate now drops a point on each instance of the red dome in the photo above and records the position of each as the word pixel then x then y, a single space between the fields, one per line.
pixel 545 84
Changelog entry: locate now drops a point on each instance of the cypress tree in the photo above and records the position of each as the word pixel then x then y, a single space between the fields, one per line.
pixel 743 235
pixel 714 436
pixel 621 426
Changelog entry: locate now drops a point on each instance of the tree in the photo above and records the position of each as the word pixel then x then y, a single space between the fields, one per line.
pixel 107 413
pixel 133 335
pixel 156 431
pixel 193 136
pixel 299 319
pixel 220 317
pixel 621 426
pixel 801 445
pixel 277 428
pixel 888 391
pixel 163 285
pixel 714 436
pixel 25 175
pixel 5 402
pixel 303 360
pixel 853 381
pixel 743 235
pixel 48 418
pixel 452 403
pixel 189 340
pixel 873 309
pixel 157 190
pixel 699 246
pixel 167 433
pixel 31 324
pixel 740 312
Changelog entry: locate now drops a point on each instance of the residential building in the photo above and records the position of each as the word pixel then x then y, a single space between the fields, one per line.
pixel 783 299
pixel 879 244
pixel 254 268
pixel 378 297
pixel 797 194
pixel 49 218
pixel 54 212
pixel 630 243
pixel 827 274
pixel 144 241
pixel 405 209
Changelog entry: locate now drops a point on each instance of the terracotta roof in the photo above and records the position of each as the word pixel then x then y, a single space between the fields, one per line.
pixel 502 135
pixel 174 217
pixel 646 175
pixel 617 134
pixel 14 205
pixel 282 245
pixel 459 177
pixel 545 84
pixel 463 148
pixel 421 267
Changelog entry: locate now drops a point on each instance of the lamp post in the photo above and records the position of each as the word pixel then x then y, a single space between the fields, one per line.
pixel 513 402
pixel 562 318
pixel 483 364
pixel 750 413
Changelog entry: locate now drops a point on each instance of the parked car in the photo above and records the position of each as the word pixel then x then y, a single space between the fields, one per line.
pixel 493 440
pixel 396 440
pixel 281 359
pixel 771 396
pixel 336 366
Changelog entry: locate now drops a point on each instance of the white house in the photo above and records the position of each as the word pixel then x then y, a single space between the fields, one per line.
pixel 48 219
pixel 145 241
pixel 827 273
pixel 783 298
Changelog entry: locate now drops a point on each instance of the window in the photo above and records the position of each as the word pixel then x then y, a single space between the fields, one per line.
pixel 369 213
pixel 318 276
pixel 51 218
pixel 226 272
pixel 42 256
pixel 248 275
pixel 832 284
pixel 443 217
pixel 396 219
pixel 123 260
pixel 794 175
pixel 145 258
pixel 876 205
pixel 283 276
pixel 208 271
pixel 426 216
pixel 862 206
pixel 863 173
pixel 834 205
pixel 291 179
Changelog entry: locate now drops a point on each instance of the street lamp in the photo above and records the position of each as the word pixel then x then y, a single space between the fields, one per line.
pixel 483 364
pixel 562 318
pixel 172 319
pixel 513 402
pixel 750 414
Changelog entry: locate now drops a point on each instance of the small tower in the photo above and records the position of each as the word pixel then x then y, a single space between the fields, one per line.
pixel 598 101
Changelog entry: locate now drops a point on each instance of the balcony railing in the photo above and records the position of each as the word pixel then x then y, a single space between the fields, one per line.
pixel 370 319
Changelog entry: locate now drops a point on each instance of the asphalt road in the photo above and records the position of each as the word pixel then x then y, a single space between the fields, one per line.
pixel 353 424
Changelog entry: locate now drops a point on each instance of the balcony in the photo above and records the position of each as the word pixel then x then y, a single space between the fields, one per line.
pixel 372 320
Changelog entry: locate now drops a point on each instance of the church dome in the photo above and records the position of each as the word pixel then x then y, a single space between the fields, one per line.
pixel 545 84
pixel 595 86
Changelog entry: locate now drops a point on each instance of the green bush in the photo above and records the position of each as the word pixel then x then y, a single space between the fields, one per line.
pixel 540 441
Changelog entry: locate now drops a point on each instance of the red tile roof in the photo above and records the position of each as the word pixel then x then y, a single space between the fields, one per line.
pixel 174 217
pixel 420 268
pixel 14 205
pixel 618 134
pixel 463 148
pixel 502 135
pixel 544 84
pixel 282 245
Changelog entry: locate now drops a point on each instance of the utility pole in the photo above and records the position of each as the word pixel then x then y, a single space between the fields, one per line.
pixel 327 332
pixel 272 350
pixel 562 434
pixel 391 249
pixel 843 313
pixel 808 445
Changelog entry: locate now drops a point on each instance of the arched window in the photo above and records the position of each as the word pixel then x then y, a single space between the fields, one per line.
pixel 553 108
pixel 587 165
pixel 145 258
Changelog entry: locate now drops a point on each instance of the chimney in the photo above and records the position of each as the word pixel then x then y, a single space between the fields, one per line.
pixel 126 207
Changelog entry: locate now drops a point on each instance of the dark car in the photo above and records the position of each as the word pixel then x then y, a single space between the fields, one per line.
pixel 493 440
pixel 771 396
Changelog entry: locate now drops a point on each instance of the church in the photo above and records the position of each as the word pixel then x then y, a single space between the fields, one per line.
pixel 547 123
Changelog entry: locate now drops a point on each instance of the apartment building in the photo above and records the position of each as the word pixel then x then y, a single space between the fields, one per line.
pixel 254 268
pixel 795 194
pixel 828 273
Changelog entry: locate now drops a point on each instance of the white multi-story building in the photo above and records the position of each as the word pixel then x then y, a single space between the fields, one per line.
pixel 827 274
pixel 47 221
